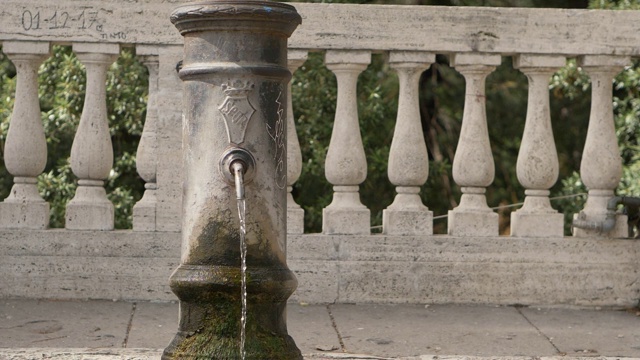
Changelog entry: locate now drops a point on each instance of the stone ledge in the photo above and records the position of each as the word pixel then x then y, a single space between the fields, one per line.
pixel 490 30
pixel 129 265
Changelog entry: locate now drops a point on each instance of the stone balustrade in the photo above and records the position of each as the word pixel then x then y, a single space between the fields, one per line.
pixel 475 40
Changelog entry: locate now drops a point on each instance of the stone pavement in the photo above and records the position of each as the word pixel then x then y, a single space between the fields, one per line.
pixel 37 329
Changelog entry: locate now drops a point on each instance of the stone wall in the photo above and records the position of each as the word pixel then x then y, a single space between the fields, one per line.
pixel 128 265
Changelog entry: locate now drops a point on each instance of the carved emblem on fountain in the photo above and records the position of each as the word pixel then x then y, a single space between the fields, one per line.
pixel 236 109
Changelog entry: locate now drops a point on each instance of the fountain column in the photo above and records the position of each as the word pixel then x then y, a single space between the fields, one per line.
pixel 235 99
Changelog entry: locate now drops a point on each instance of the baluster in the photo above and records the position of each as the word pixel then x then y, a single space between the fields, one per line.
pixel 346 164
pixel 601 165
pixel 295 213
pixel 169 167
pixel 473 166
pixel 408 158
pixel 144 212
pixel 92 152
pixel 25 150
pixel 537 166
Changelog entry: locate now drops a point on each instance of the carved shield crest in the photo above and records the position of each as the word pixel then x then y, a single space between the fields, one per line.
pixel 237 110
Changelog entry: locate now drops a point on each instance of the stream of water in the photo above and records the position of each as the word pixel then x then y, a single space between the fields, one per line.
pixel 243 270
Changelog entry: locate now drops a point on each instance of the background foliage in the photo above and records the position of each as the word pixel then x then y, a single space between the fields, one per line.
pixel 62 80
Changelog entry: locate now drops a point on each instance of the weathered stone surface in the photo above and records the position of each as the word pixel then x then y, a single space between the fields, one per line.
pixel 537 167
pixel 80 354
pixel 589 332
pixel 25 147
pixel 541 225
pixel 491 30
pixel 318 281
pixel 498 283
pixel 471 222
pixel 61 264
pixel 295 218
pixel 367 269
pixel 601 164
pixel 407 222
pixel 92 151
pixel 295 213
pixel 312 328
pixel 152 325
pixel 144 211
pixel 354 220
pixel 65 330
pixel 473 166
pixel 346 164
pixel 408 167
pixel 235 167
pixel 63 243
pixel 63 324
pixel 152 354
pixel 169 140
pixel 405 330
pixel 92 277
pixel 18 214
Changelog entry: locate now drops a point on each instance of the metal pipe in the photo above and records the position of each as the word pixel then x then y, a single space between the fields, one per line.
pixel 238 172
pixel 609 222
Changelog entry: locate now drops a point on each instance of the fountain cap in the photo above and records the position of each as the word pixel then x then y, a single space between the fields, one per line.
pixel 236 15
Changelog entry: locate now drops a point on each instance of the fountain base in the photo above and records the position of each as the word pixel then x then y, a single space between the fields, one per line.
pixel 210 310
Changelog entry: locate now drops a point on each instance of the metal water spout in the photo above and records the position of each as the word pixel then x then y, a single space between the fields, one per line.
pixel 237 165
pixel 238 174
pixel 234 144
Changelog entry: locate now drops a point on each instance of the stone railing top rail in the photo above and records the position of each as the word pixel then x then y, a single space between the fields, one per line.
pixel 344 26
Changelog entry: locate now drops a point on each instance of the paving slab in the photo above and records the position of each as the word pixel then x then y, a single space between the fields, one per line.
pixel 153 325
pixel 97 330
pixel 411 330
pixel 311 328
pixel 80 354
pixel 589 332
pixel 154 354
pixel 41 323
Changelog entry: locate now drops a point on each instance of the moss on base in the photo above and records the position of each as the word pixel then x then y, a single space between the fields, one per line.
pixel 217 333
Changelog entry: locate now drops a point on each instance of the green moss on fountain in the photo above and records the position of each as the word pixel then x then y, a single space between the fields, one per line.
pixel 218 335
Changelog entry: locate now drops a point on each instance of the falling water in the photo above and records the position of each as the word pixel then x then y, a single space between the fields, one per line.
pixel 243 257
pixel 238 171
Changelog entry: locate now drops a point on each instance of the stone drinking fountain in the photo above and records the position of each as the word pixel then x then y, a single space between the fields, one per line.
pixel 234 144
